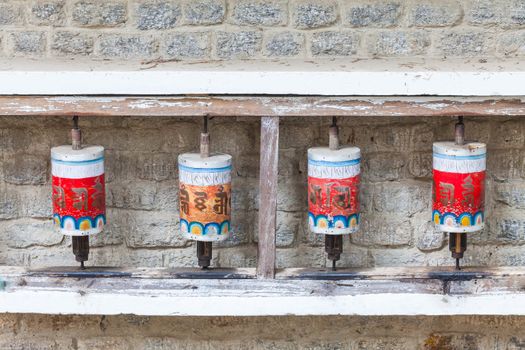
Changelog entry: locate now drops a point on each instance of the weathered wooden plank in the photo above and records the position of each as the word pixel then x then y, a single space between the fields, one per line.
pixel 152 291
pixel 268 196
pixel 256 106
pixel 375 273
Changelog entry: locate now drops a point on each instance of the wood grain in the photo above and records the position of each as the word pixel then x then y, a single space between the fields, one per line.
pixel 256 106
pixel 268 196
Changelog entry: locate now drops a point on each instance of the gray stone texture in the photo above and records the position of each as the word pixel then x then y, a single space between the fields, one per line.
pixel 259 12
pixel 397 43
pixel 334 43
pixel 464 44
pixel 65 43
pixel 284 44
pixel 309 14
pixel 28 43
pixel 511 44
pixel 188 45
pixel 127 46
pixel 276 29
pixel 514 13
pixel 204 12
pixel 48 13
pixel 243 44
pixel 380 14
pixel 158 15
pixel 435 13
pixel 484 12
pixel 11 13
pixel 99 13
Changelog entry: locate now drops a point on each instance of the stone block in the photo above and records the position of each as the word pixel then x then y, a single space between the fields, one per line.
pixel 435 13
pixel 157 15
pixel 372 14
pixel 398 43
pixel 204 12
pixel 238 45
pixel 66 43
pixel 50 13
pixel 187 45
pixel 309 14
pixel 334 43
pixel 125 46
pixel 284 44
pixel 465 43
pixel 97 13
pixel 28 43
pixel 259 12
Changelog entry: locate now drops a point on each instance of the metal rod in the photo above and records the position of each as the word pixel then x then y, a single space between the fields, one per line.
pixel 333 135
pixel 81 249
pixel 204 253
pixel 204 249
pixel 205 139
pixel 459 134
pixel 76 135
pixel 333 247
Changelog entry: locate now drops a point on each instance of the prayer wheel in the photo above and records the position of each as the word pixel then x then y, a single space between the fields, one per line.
pixel 459 189
pixel 79 208
pixel 333 182
pixel 205 197
pixel 333 188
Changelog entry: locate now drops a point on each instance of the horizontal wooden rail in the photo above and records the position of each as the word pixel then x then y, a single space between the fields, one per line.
pixel 257 106
pixel 191 292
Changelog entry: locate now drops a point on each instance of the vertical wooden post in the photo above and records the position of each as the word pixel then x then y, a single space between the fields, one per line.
pixel 268 196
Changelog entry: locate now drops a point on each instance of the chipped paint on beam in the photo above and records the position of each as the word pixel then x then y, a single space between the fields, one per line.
pixel 255 106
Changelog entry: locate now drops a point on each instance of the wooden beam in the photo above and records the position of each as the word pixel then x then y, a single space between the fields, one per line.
pixel 163 292
pixel 255 106
pixel 268 196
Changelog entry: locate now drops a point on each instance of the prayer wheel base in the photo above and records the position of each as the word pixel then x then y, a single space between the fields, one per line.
pixel 457 245
pixel 333 247
pixel 81 248
pixel 204 253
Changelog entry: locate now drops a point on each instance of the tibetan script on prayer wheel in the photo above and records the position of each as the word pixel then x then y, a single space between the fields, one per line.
pixel 333 188
pixel 78 197
pixel 458 191
pixel 205 196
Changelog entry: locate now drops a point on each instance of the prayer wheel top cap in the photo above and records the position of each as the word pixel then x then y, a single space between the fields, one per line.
pixel 67 153
pixel 469 148
pixel 340 155
pixel 215 160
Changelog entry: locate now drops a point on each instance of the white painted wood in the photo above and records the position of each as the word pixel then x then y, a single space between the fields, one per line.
pixel 157 292
pixel 162 304
pixel 274 82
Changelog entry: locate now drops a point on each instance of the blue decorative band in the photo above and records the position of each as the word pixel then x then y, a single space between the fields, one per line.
pixel 199 229
pixel 338 221
pixel 463 219
pixel 83 224
pixel 82 162
pixel 204 170
pixel 333 164
pixel 447 156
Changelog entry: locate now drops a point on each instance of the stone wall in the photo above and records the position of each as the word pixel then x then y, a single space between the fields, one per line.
pixel 206 30
pixel 262 333
pixel 142 191
pixel 142 173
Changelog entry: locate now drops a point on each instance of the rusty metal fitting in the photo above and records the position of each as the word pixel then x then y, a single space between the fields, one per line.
pixel 459 135
pixel 76 135
pixel 333 135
